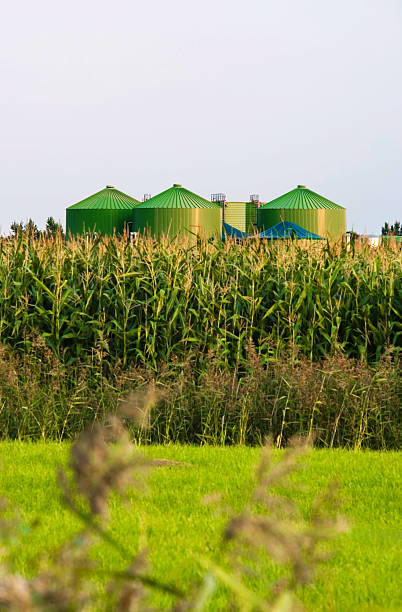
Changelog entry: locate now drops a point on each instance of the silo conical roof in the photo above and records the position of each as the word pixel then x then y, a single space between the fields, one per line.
pixel 178 197
pixel 106 199
pixel 301 198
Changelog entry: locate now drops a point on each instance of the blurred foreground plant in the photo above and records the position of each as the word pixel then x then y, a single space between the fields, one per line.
pixel 103 461
pixel 272 523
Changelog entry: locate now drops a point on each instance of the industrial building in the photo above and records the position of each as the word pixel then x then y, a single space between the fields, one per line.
pixel 242 215
pixel 106 212
pixel 307 209
pixel 178 211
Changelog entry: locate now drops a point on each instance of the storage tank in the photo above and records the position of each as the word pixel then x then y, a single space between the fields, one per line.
pixel 106 212
pixel 178 211
pixel 241 215
pixel 307 209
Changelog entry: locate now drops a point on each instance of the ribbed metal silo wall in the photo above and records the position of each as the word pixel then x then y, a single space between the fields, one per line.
pixel 206 222
pixel 251 218
pixel 324 222
pixel 241 215
pixel 235 215
pixel 335 223
pixel 105 222
pixel 266 218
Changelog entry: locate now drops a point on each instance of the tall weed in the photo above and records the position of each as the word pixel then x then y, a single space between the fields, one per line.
pixel 338 400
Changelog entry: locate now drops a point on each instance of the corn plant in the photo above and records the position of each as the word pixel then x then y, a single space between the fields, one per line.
pixel 149 301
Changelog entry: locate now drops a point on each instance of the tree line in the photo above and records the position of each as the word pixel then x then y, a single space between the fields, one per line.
pixel 394 229
pixel 52 228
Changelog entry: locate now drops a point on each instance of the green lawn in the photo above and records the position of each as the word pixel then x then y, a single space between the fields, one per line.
pixel 178 529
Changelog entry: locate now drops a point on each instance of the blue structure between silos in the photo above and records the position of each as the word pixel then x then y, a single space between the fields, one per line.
pixel 280 231
pixel 288 229
pixel 228 231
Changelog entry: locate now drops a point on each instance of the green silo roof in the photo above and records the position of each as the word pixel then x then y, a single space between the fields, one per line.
pixel 178 197
pixel 301 198
pixel 107 199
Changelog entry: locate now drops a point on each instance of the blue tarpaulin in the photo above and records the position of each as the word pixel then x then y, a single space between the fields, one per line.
pixel 282 230
pixel 228 231
pixel 287 229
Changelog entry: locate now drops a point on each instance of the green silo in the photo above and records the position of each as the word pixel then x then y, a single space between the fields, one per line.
pixel 307 209
pixel 178 212
pixel 241 215
pixel 106 212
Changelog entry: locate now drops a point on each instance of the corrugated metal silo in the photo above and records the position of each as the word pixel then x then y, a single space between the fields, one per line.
pixel 178 211
pixel 307 209
pixel 106 212
pixel 241 215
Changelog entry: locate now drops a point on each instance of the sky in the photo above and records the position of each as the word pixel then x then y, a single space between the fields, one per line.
pixel 229 96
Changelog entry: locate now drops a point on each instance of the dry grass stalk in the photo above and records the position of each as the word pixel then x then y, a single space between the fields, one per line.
pixel 273 523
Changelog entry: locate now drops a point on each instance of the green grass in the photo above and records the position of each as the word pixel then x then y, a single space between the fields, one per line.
pixel 179 529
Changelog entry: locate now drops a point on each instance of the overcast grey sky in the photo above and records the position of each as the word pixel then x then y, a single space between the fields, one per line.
pixel 236 96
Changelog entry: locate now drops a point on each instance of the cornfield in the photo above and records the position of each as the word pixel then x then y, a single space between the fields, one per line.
pixel 145 302
pixel 240 342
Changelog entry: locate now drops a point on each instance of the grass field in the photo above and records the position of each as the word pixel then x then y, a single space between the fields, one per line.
pixel 179 530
